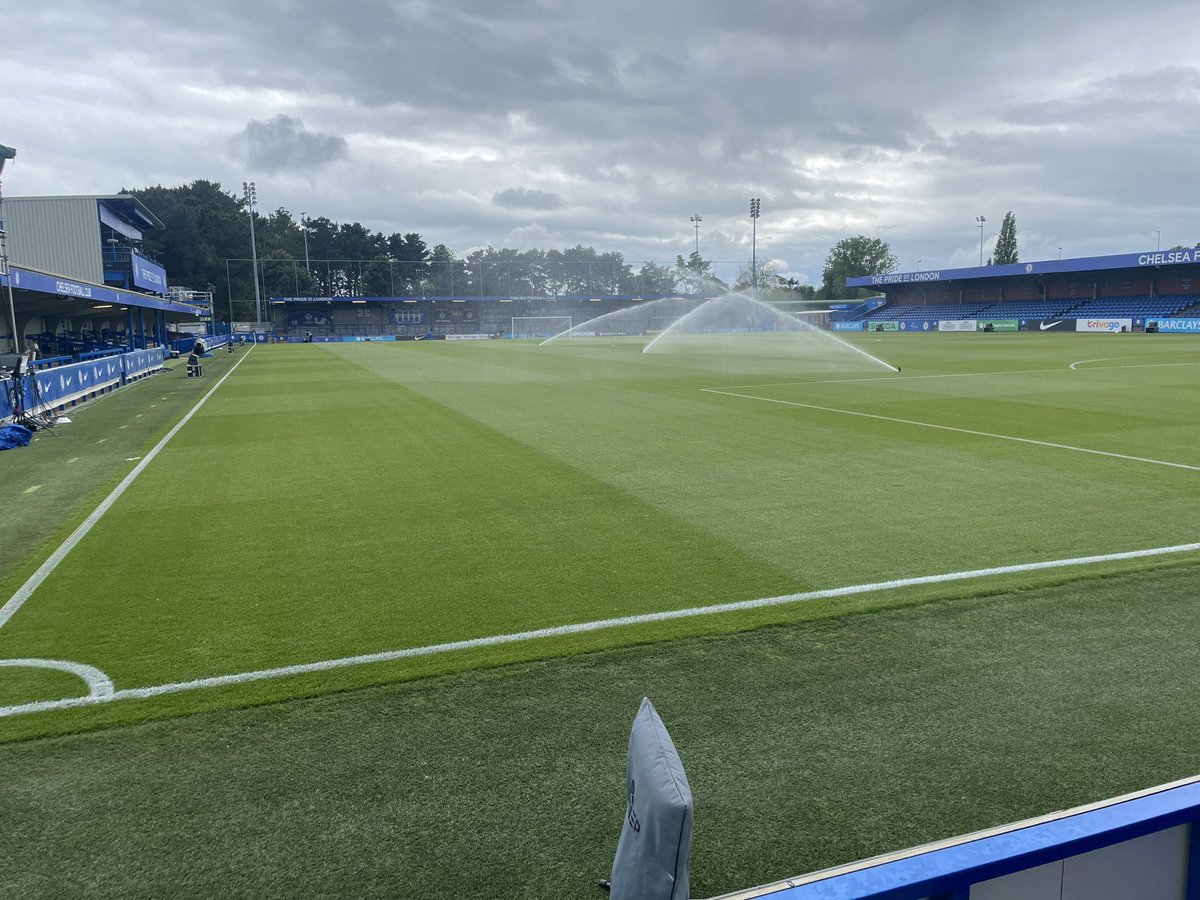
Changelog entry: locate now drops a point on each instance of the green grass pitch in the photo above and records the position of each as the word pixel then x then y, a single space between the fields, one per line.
pixel 334 501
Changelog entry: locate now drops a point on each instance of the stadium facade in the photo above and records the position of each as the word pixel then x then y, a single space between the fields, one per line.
pixel 81 282
pixel 1152 290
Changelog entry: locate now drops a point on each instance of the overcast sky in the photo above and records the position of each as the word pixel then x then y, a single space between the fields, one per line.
pixel 545 123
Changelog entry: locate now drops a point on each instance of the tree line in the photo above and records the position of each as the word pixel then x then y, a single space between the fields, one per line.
pixel 204 246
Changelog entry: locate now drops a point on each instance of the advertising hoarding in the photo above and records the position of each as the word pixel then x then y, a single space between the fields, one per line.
pixel 1112 325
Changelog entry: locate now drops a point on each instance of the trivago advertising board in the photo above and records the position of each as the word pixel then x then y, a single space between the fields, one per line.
pixel 1176 325
pixel 1114 325
pixel 956 325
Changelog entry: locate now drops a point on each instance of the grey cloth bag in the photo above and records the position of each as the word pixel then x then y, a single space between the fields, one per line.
pixel 656 839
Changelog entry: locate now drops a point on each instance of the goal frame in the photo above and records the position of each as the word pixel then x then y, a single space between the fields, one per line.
pixel 539 332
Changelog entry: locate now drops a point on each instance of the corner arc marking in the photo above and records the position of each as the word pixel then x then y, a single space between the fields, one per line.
pixel 100 686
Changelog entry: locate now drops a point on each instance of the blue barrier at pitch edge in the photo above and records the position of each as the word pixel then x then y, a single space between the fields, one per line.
pixel 67 384
pixel 1087 842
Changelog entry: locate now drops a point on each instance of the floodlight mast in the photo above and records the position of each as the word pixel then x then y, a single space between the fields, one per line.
pixel 755 207
pixel 7 153
pixel 251 197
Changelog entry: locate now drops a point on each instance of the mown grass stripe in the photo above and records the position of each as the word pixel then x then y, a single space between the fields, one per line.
pixel 25 591
pixel 144 693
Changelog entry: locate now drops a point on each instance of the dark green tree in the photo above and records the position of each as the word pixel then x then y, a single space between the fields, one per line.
pixel 654 280
pixel 1006 242
pixel 204 227
pixel 854 257
pixel 448 276
pixel 411 257
pixel 791 289
pixel 694 275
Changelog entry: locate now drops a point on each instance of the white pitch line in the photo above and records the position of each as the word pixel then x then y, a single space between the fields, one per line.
pixel 1130 366
pixel 989 434
pixel 177 687
pixel 100 686
pixel 892 378
pixel 26 590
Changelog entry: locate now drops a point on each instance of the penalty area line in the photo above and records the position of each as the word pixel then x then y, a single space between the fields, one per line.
pixel 143 693
pixel 987 434
pixel 25 591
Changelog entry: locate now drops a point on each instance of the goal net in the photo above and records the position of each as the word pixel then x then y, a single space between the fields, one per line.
pixel 539 326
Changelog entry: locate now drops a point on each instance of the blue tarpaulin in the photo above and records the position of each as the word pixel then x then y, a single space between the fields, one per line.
pixel 13 436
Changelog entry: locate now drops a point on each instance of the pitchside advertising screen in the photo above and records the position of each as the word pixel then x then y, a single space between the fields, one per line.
pixel 1176 325
pixel 956 325
pixel 1104 324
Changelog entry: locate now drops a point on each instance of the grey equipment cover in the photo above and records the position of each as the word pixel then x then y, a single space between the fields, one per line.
pixel 656 839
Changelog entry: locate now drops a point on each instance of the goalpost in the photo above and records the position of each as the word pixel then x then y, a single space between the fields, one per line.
pixel 539 326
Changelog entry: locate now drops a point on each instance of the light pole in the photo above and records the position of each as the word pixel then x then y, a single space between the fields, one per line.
pixel 304 228
pixel 1060 252
pixel 251 196
pixel 980 220
pixel 919 265
pixel 696 220
pixel 1158 240
pixel 7 153
pixel 755 205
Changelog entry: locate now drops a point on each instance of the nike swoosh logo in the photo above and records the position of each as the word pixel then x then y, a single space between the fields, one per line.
pixel 1044 325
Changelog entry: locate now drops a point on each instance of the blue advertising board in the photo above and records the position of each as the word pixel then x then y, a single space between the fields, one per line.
pixel 1176 325
pixel 139 362
pixel 848 326
pixel 62 385
pixel 317 317
pixel 1150 259
pixel 5 404
pixel 406 316
pixel 917 325
pixel 29 280
pixel 147 275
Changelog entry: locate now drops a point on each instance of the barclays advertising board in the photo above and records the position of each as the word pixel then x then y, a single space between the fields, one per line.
pixel 1176 325
pixel 847 326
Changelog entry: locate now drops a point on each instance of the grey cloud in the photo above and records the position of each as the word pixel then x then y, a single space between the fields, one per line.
pixel 909 117
pixel 527 198
pixel 283 143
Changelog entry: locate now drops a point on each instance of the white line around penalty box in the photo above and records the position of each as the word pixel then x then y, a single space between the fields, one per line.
pixel 143 693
